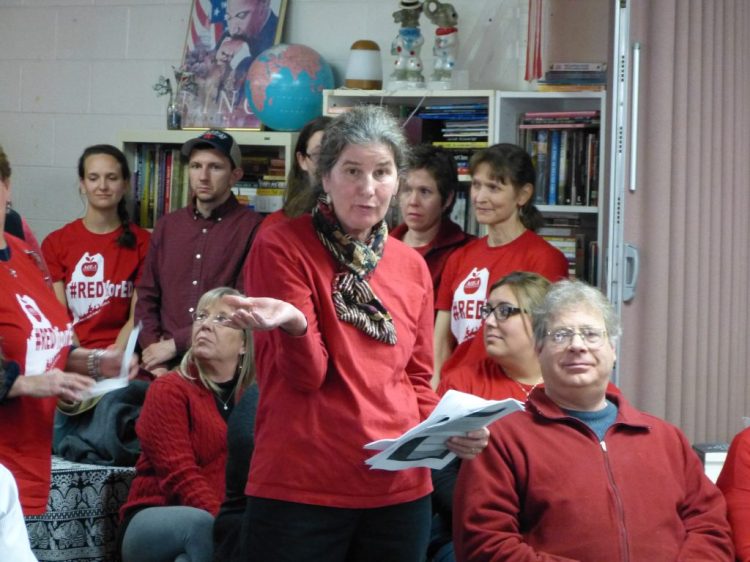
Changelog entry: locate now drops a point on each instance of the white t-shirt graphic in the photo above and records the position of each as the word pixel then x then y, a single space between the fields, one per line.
pixel 88 291
pixel 45 341
pixel 470 295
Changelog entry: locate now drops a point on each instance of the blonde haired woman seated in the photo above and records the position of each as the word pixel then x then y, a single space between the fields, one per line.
pixel 179 482
pixel 511 368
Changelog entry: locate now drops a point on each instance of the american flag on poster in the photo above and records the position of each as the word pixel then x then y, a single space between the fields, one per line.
pixel 206 24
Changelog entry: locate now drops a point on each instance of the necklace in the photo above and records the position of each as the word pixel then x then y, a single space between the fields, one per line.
pixel 527 389
pixel 225 403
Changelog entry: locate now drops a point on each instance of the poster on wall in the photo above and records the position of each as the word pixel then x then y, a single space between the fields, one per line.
pixel 223 39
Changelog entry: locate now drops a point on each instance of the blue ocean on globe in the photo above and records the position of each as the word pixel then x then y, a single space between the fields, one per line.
pixel 285 84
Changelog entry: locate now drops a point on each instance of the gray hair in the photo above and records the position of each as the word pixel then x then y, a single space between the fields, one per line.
pixel 362 125
pixel 567 295
pixel 247 364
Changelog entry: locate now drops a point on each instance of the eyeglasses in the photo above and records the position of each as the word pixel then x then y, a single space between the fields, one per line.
pixel 312 155
pixel 501 311
pixel 202 316
pixel 593 338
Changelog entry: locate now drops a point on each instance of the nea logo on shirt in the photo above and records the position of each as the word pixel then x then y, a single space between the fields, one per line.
pixel 473 283
pixel 89 265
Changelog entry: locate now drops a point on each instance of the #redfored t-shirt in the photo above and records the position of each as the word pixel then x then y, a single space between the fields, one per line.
pixel 36 333
pixel 474 268
pixel 99 278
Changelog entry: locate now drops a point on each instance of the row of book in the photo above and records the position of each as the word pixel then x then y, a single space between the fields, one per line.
pixel 265 194
pixel 564 146
pixel 160 182
pixel 574 76
pixel 456 125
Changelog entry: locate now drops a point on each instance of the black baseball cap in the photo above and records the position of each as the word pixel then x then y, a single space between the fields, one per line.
pixel 221 141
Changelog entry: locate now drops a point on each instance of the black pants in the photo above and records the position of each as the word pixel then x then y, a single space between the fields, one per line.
pixel 277 531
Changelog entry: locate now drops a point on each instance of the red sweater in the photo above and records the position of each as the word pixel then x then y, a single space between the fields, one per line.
pixel 734 481
pixel 275 218
pixel 183 447
pixel 449 238
pixel 546 489
pixel 326 394
pixel 36 333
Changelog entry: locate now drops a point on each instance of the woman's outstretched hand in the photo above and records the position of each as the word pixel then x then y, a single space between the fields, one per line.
pixel 265 313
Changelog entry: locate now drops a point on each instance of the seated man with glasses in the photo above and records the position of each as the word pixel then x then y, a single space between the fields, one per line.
pixel 581 474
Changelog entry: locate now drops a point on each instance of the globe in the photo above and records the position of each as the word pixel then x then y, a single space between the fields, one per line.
pixel 285 84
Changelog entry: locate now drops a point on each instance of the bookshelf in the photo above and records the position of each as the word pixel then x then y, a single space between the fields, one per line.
pixel 585 221
pixel 159 176
pixel 420 111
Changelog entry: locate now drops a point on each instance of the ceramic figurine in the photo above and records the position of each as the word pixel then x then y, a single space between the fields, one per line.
pixel 445 17
pixel 407 45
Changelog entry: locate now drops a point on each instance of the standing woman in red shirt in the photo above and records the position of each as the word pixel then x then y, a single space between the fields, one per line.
pixel 356 369
pixel 39 363
pixel 502 195
pixel 426 198
pixel 95 261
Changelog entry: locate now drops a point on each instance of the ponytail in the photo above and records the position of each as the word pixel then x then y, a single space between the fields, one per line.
pixel 531 217
pixel 127 238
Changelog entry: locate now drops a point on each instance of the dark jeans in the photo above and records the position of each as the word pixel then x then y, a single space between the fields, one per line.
pixel 277 531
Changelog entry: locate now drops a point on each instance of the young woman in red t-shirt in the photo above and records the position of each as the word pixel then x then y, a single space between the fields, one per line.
pixel 96 261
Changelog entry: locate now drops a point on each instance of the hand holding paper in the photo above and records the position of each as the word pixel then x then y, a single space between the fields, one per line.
pixel 122 380
pixel 424 445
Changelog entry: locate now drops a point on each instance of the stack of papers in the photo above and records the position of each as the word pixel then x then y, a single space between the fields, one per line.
pixel 424 444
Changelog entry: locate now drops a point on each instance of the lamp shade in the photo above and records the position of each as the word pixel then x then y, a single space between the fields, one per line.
pixel 364 70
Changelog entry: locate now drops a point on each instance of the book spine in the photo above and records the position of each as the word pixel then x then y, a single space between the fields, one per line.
pixel 590 169
pixel 539 158
pixel 148 182
pixel 560 114
pixel 167 181
pixel 578 66
pixel 563 197
pixel 554 167
pixel 138 189
pixel 461 144
pixel 541 87
pixel 553 125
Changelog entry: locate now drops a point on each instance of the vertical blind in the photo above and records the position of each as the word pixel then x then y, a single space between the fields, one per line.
pixel 685 349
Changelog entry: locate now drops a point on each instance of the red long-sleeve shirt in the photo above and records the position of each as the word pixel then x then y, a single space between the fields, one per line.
pixel 326 394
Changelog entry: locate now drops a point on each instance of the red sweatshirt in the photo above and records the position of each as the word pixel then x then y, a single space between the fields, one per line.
pixel 734 481
pixel 326 394
pixel 546 489
pixel 449 238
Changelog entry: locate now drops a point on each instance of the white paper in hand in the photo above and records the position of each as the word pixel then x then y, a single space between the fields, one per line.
pixel 121 381
pixel 424 444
